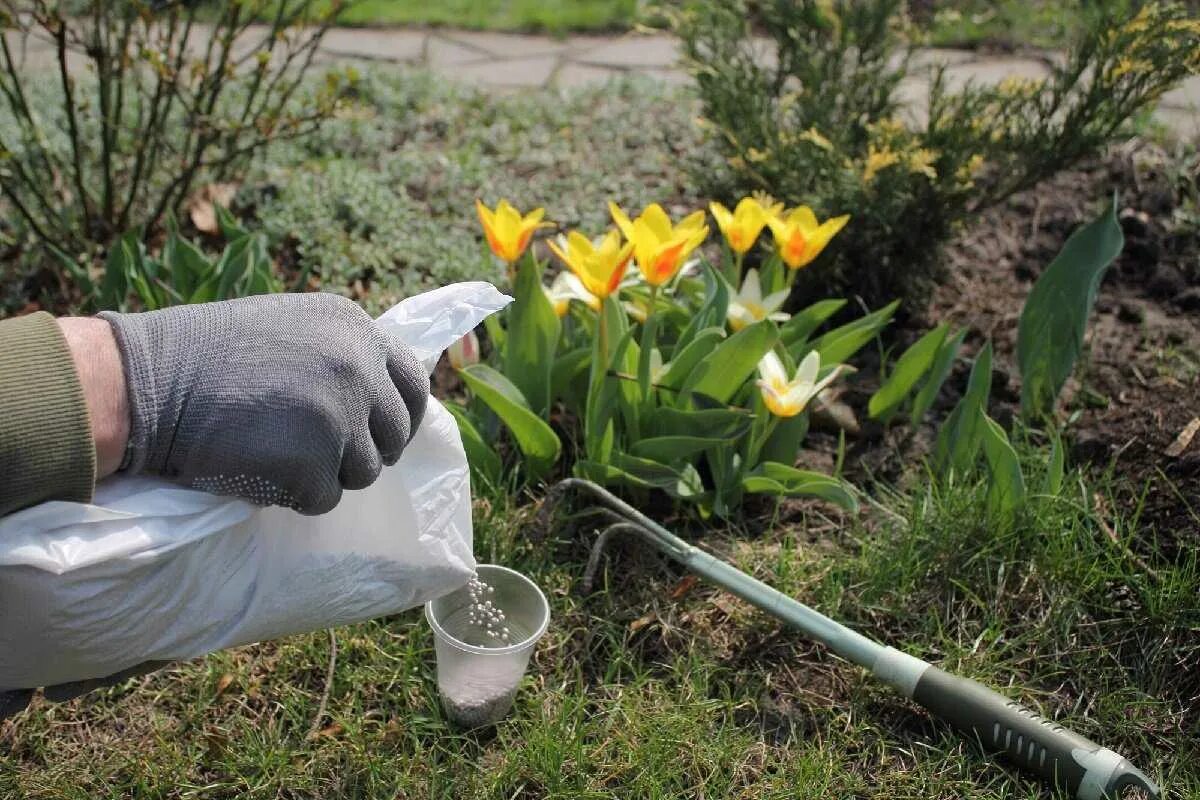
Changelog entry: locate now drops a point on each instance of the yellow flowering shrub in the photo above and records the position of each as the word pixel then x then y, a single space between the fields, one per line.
pixel 822 121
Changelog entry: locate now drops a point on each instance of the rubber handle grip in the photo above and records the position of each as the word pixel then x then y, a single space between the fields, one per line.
pixel 1082 767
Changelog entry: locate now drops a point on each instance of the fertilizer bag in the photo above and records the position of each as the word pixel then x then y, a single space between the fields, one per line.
pixel 149 571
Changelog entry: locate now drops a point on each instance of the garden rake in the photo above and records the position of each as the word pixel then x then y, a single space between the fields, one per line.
pixel 1083 768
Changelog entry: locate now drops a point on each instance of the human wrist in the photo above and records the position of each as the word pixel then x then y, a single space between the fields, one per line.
pixel 102 376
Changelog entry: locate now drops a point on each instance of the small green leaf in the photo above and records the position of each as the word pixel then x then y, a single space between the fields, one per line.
pixel 781 480
pixel 914 363
pixel 783 445
pixel 1006 492
pixel 485 462
pixel 535 439
pixel 229 226
pixel 649 331
pixel 1054 319
pixel 1057 466
pixel 496 332
pixel 668 449
pixel 712 311
pixel 723 423
pixel 937 376
pixel 235 263
pixel 533 332
pixel 839 344
pixel 959 438
pixel 682 483
pixel 733 361
pixel 120 265
pixel 568 369
pixel 187 267
pixel 800 327
pixel 687 358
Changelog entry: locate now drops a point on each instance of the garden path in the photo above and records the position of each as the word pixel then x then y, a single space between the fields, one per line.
pixel 509 62
pixel 512 62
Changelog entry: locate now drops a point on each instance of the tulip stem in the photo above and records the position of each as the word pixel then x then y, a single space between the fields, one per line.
pixel 737 269
pixel 649 335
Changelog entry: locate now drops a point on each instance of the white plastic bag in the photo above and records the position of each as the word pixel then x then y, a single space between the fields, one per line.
pixel 153 572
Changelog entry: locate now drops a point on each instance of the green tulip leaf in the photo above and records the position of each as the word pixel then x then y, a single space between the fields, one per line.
pixel 1054 319
pixel 937 376
pixel 839 344
pixel 535 439
pixel 780 480
pixel 483 459
pixel 723 372
pixel 910 367
pixel 800 327
pixel 1006 491
pixel 533 332
pixel 959 438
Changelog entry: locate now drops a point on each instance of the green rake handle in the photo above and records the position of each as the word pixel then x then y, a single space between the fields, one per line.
pixel 1085 769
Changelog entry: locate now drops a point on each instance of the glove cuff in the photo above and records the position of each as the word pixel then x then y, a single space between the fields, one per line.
pixel 135 343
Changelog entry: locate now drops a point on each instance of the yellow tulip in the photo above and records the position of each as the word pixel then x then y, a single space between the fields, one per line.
pixel 565 288
pixel 508 233
pixel 599 267
pixel 749 306
pixel 741 227
pixel 659 247
pixel 799 238
pixel 787 398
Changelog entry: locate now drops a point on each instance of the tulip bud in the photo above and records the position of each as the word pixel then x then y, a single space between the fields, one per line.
pixel 464 352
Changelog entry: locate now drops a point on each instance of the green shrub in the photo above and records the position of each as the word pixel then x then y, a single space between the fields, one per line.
pixel 819 118
pixel 135 103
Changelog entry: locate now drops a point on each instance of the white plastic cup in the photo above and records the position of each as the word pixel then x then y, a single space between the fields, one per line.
pixel 476 680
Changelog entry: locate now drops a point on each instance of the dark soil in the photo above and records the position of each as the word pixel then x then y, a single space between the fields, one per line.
pixel 1139 384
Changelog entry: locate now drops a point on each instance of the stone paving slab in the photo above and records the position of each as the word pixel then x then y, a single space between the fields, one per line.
pixel 402 46
pixel 514 73
pixel 506 45
pixel 443 54
pixel 632 52
pixel 1186 95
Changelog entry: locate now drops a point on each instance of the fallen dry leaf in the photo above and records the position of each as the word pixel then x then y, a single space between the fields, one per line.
pixel 330 731
pixel 201 207
pixel 1176 448
pixel 642 622
pixel 684 586
pixel 223 683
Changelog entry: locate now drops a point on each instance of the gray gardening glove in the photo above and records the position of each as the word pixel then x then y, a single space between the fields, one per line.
pixel 279 399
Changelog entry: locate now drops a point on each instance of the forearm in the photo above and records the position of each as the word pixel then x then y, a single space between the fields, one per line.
pixel 102 377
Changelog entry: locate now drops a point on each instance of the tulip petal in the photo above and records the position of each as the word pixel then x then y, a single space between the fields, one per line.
pixel 622 220
pixel 809 367
pixel 770 367
pixel 804 218
pixel 657 221
pixel 751 287
pixel 774 301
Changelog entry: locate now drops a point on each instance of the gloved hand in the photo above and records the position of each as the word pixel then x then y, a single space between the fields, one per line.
pixel 279 399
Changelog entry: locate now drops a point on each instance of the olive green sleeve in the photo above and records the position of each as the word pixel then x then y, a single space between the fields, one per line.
pixel 46 447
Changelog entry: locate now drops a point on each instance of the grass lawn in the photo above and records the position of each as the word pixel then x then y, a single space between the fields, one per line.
pixel 1005 24
pixel 651 689
pixel 557 16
